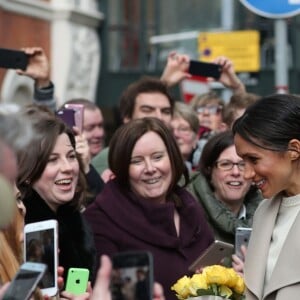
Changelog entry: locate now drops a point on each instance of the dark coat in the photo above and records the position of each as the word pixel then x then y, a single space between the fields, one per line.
pixel 76 245
pixel 121 222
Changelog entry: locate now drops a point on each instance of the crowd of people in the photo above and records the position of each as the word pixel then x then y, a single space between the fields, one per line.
pixel 175 177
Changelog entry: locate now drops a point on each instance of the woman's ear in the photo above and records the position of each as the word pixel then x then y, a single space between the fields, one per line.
pixel 294 149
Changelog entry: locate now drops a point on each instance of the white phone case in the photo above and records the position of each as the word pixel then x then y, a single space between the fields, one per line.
pixel 41 245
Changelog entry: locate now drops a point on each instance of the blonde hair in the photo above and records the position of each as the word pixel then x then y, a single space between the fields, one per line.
pixel 9 264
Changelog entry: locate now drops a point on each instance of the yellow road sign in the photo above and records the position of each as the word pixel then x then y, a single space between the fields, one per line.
pixel 242 47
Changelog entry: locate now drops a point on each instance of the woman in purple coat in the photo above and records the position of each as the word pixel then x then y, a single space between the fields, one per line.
pixel 143 208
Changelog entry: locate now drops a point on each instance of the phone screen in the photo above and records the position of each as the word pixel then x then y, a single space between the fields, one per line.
pixel 205 69
pixel 40 248
pixel 25 281
pixel 13 59
pixel 132 276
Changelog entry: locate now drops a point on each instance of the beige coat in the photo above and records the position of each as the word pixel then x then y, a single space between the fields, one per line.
pixel 284 283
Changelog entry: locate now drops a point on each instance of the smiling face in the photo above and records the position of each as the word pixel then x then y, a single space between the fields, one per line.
pixel 93 129
pixel 210 116
pixel 185 137
pixel 271 171
pixel 230 186
pixel 59 179
pixel 150 172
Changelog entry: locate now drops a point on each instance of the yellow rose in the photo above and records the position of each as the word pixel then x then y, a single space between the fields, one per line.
pixel 216 274
pixel 198 281
pixel 232 277
pixel 182 287
pixel 225 291
pixel 240 285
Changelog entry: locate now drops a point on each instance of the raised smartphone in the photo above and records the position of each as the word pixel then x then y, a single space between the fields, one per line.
pixel 41 245
pixel 77 280
pixel 13 59
pixel 67 115
pixel 78 115
pixel 25 281
pixel 214 254
pixel 132 276
pixel 205 69
pixel 242 236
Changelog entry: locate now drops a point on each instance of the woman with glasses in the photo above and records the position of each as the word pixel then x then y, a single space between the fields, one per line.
pixel 228 199
pixel 209 110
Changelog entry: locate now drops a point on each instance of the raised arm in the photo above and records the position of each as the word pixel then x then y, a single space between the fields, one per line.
pixel 176 68
pixel 228 76
pixel 39 70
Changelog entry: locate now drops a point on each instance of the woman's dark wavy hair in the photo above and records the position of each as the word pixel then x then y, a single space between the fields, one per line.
pixel 33 160
pixel 124 140
pixel 211 152
pixel 271 122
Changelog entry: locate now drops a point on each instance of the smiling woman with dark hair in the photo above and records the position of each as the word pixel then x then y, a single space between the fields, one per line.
pixel 52 186
pixel 228 199
pixel 143 208
pixel 267 137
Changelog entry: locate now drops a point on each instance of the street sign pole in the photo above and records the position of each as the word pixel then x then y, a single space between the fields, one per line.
pixel 277 10
pixel 281 57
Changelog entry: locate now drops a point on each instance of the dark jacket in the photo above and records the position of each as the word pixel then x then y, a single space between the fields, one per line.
pixel 95 185
pixel 76 245
pixel 221 219
pixel 121 222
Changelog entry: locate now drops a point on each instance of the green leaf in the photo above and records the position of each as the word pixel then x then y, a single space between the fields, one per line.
pixel 202 292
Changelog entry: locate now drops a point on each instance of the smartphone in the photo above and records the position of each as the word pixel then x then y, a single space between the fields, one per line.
pixel 214 254
pixel 25 281
pixel 77 280
pixel 132 276
pixel 78 115
pixel 13 59
pixel 67 115
pixel 242 236
pixel 41 245
pixel 205 69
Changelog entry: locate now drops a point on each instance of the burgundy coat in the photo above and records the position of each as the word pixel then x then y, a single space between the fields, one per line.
pixel 121 222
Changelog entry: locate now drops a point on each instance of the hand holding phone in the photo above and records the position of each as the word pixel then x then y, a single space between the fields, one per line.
pixel 205 69
pixel 67 115
pixel 78 114
pixel 41 245
pixel 25 281
pixel 77 280
pixel 242 236
pixel 214 254
pixel 132 276
pixel 13 59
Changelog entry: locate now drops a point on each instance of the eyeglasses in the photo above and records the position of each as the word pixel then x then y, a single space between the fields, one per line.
pixel 227 165
pixel 182 129
pixel 213 109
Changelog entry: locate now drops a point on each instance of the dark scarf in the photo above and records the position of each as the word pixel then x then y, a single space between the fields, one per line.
pixel 75 239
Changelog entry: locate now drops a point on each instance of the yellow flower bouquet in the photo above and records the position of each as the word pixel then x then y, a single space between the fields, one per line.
pixel 214 280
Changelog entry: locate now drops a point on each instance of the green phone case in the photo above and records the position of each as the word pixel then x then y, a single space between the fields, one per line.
pixel 77 280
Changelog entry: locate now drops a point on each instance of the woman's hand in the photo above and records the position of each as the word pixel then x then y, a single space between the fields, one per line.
pixel 82 148
pixel 228 76
pixel 238 263
pixel 176 68
pixel 158 292
pixel 38 67
pixel 3 289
